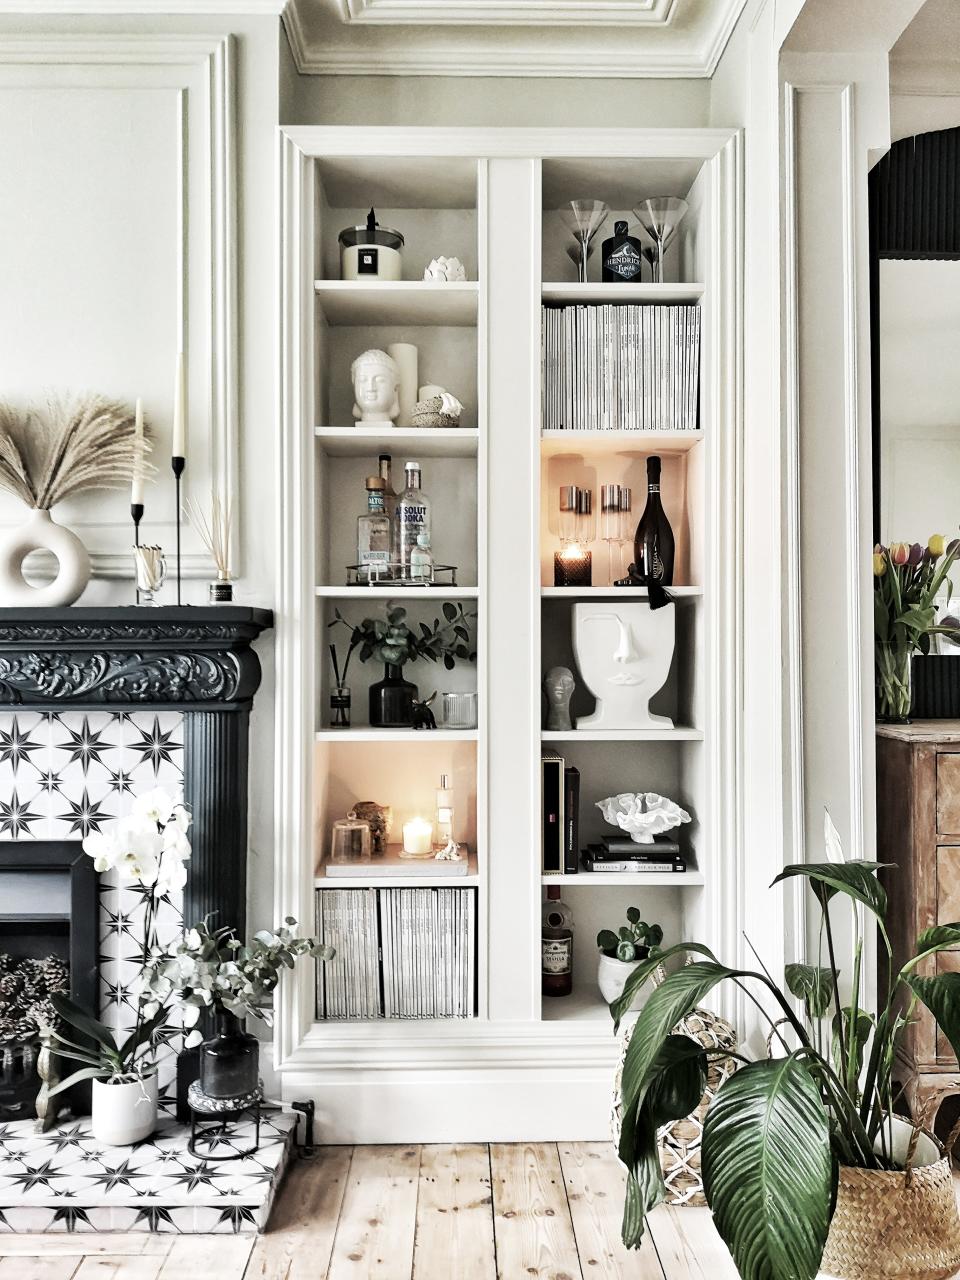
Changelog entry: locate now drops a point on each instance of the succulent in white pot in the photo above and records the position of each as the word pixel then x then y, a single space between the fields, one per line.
pixel 621 952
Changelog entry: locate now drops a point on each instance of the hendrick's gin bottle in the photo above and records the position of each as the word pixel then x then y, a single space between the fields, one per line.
pixel 621 258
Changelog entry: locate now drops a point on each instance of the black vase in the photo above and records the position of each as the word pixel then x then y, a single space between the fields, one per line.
pixel 230 1061
pixel 391 700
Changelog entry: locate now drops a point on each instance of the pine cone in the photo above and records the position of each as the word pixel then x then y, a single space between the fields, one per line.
pixel 55 974
pixel 32 991
pixel 43 1014
pixel 7 962
pixel 11 985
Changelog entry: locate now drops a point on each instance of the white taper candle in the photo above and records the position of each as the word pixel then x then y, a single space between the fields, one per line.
pixel 136 487
pixel 180 411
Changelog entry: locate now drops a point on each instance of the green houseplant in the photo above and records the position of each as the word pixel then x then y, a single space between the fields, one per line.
pixel 393 642
pixel 781 1131
pixel 906 583
pixel 621 952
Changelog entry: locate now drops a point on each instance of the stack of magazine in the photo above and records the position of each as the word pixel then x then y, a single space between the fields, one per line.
pixel 401 953
pixel 620 367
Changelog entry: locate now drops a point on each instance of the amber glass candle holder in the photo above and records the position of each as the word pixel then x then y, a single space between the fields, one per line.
pixel 572 567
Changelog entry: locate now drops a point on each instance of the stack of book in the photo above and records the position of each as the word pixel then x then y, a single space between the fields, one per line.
pixel 560 792
pixel 620 853
pixel 401 953
pixel 620 367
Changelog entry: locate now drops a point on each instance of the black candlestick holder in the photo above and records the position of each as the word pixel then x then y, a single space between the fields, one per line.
pixel 178 464
pixel 136 514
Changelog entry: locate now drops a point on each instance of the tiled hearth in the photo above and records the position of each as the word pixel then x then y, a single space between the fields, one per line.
pixel 65 1181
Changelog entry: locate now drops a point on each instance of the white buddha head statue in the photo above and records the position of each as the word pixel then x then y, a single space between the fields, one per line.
pixel 376 386
pixel 624 652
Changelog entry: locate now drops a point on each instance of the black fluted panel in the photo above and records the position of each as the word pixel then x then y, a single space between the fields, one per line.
pixel 936 688
pixel 915 189
pixel 215 787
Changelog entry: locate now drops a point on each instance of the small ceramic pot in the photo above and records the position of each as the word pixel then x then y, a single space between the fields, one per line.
pixel 612 975
pixel 124 1113
pixel 39 532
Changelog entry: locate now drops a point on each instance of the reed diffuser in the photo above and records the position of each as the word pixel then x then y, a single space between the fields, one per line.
pixel 214 533
pixel 340 699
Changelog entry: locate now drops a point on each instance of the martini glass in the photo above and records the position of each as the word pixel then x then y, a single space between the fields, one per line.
pixel 583 218
pixel 660 217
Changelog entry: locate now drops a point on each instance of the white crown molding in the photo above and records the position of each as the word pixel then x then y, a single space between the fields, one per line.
pixel 691 54
pixel 624 13
pixel 144 8
pixel 924 78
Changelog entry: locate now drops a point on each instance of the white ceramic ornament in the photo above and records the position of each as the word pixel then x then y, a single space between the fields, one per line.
pixel 624 652
pixel 642 815
pixel 445 269
pixel 40 532
pixel 376 387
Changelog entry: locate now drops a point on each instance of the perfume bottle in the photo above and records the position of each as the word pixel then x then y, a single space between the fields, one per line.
pixel 556 945
pixel 421 560
pixel 412 519
pixel 622 256
pixel 444 822
pixel 373 534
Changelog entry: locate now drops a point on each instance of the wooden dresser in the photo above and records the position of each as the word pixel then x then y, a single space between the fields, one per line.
pixel 918 829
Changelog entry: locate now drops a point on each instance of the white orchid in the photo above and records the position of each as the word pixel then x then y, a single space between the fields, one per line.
pixel 138 850
pixel 155 806
pixel 103 849
pixel 172 874
pixel 175 842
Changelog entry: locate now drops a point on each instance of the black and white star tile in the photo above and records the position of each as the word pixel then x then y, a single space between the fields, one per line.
pixel 66 1181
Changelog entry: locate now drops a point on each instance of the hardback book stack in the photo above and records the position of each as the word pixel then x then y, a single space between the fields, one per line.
pixel 620 854
pixel 560 792
pixel 401 953
pixel 620 367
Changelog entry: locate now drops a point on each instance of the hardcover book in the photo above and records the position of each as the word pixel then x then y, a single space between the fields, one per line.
pixel 552 794
pixel 571 820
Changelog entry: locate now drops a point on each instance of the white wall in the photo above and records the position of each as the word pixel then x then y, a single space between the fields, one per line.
pixel 919 399
pixel 88 251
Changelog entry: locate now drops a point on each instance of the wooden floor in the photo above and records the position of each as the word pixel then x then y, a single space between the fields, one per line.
pixel 503 1212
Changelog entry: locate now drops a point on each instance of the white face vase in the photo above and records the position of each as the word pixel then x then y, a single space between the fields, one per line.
pixel 624 652
pixel 376 384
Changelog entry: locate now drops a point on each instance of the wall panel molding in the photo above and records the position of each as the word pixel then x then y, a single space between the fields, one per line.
pixel 201 71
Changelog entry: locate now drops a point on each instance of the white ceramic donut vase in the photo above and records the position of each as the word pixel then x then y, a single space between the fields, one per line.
pixel 39 532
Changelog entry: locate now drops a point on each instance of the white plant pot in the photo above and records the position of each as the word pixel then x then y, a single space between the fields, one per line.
pixel 39 532
pixel 612 975
pixel 124 1113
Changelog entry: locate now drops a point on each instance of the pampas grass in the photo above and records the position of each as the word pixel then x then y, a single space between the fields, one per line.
pixel 85 443
pixel 215 532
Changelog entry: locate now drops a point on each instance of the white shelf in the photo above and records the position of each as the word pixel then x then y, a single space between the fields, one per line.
pixel 424 442
pixel 577 292
pixel 397 594
pixel 421 878
pixel 649 879
pixel 614 593
pixel 367 734
pixel 582 1005
pixel 556 444
pixel 394 302
pixel 680 733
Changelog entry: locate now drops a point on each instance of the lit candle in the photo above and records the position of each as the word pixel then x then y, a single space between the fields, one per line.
pixel 180 411
pixel 418 837
pixel 136 487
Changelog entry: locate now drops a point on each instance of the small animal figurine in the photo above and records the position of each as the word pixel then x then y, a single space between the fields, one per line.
pixel 379 817
pixel 423 717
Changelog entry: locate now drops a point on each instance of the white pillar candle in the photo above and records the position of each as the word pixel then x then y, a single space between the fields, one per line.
pixel 180 411
pixel 136 487
pixel 405 355
pixel 418 836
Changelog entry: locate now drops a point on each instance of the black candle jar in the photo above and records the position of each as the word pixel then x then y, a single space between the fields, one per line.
pixel 572 567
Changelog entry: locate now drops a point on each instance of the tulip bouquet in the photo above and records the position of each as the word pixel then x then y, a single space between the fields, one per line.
pixel 906 583
pixel 148 848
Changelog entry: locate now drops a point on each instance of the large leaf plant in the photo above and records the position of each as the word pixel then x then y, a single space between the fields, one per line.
pixel 777 1130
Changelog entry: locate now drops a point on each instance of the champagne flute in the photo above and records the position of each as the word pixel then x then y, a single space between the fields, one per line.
pixel 625 525
pixel 610 521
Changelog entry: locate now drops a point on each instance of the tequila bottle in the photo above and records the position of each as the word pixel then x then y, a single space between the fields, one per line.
pixel 412 520
pixel 385 461
pixel 373 535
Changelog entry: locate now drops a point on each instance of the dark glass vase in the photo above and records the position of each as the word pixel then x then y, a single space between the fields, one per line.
pixel 230 1061
pixel 391 700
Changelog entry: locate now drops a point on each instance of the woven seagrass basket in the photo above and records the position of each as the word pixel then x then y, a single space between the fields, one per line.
pixel 679 1143
pixel 902 1224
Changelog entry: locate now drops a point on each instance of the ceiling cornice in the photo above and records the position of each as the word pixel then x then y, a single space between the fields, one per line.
pixel 144 8
pixel 561 13
pixel 694 56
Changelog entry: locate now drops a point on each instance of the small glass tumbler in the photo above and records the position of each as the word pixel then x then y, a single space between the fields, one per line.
pixel 459 710
pixel 340 702
pixel 151 570
pixel 351 841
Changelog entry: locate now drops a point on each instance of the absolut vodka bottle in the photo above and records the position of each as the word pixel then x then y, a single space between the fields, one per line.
pixel 412 519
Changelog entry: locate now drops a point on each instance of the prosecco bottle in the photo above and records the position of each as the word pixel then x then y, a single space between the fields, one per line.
pixel 653 545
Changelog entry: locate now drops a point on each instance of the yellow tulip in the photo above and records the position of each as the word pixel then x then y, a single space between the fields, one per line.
pixel 937 545
pixel 879 565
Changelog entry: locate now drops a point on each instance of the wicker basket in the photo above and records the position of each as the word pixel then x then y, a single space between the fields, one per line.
pixel 902 1225
pixel 679 1143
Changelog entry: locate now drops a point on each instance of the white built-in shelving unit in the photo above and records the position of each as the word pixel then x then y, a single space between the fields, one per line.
pixel 524 1067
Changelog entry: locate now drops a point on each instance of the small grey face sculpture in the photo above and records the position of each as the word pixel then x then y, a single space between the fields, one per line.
pixel 558 685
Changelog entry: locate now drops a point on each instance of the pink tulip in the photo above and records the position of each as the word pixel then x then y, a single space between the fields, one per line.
pixel 899 553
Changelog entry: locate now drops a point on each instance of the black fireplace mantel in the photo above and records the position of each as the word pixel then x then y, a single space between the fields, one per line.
pixel 190 659
pixel 163 658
